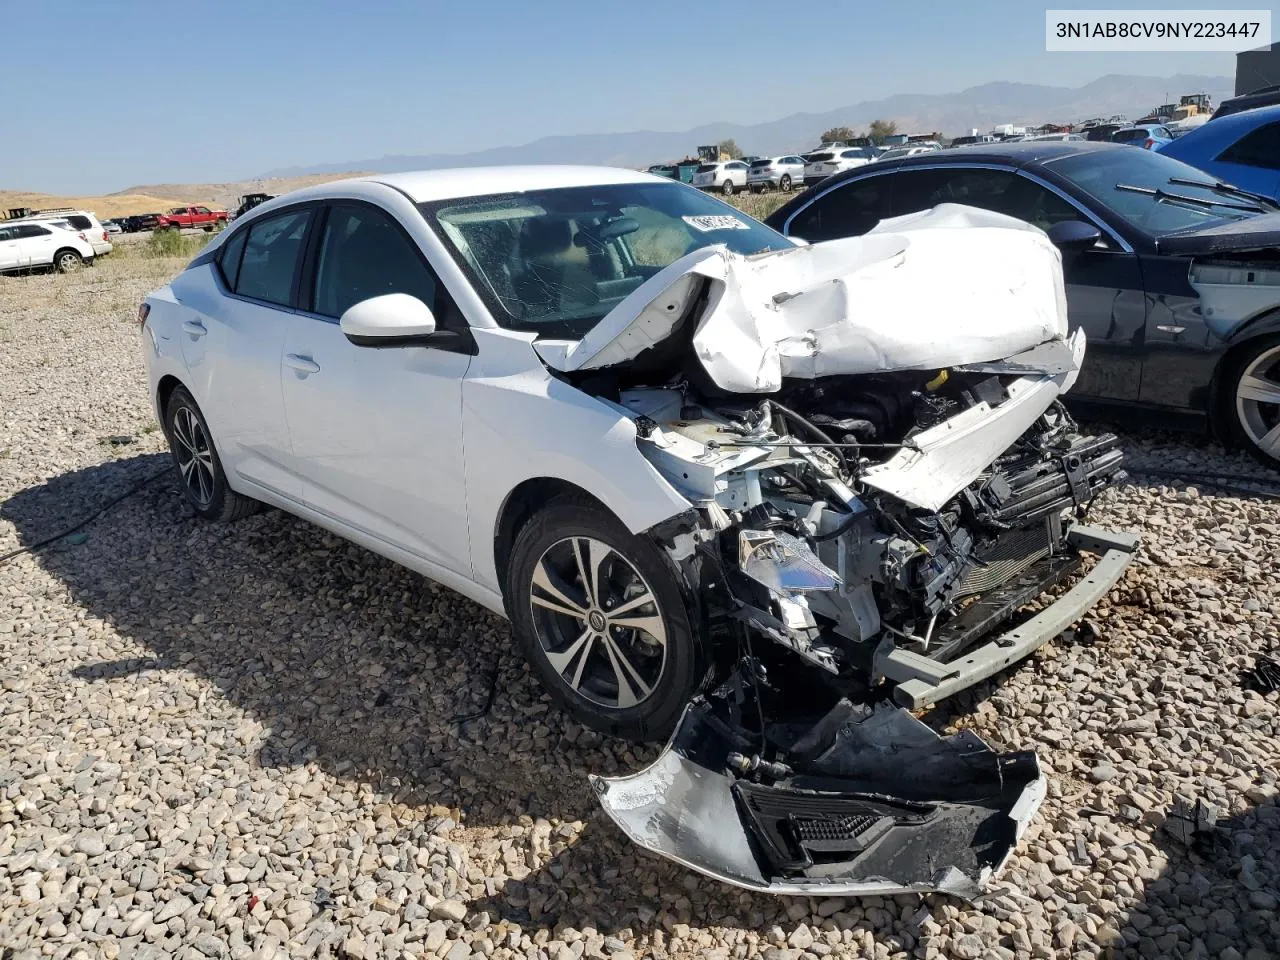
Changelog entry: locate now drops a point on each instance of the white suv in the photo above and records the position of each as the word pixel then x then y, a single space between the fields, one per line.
pixel 79 221
pixel 827 163
pixel 726 177
pixel 780 172
pixel 27 244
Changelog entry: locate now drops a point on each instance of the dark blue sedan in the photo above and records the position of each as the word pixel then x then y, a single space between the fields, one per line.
pixel 1173 275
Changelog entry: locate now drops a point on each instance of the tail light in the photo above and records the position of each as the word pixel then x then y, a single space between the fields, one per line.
pixel 82 236
pixel 104 234
pixel 1149 144
pixel 144 310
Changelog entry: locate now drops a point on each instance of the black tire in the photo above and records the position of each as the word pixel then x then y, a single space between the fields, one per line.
pixel 204 484
pixel 66 260
pixel 755 188
pixel 561 525
pixel 1249 419
pixel 727 188
pixel 785 183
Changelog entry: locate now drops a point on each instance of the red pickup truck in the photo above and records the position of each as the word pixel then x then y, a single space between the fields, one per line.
pixel 180 217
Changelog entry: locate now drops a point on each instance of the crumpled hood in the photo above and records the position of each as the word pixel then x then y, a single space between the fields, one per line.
pixel 948 286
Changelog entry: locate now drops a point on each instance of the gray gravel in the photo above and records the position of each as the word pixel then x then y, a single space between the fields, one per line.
pixel 235 741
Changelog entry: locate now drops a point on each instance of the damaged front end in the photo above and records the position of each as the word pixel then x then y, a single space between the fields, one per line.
pixel 855 538
pixel 869 520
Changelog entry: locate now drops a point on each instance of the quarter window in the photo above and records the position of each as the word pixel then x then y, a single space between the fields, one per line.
pixel 229 258
pixel 1258 148
pixel 270 258
pixel 364 253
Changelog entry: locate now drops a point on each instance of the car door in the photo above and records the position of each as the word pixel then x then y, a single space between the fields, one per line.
pixel 37 244
pixel 10 249
pixel 377 431
pixel 233 335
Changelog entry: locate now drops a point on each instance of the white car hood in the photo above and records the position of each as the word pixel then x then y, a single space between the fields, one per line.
pixel 948 286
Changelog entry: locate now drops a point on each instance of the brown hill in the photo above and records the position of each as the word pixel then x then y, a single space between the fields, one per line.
pixel 156 198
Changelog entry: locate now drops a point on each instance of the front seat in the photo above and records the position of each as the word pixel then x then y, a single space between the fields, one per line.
pixel 554 281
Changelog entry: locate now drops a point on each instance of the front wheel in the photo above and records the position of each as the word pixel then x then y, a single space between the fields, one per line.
pixel 727 188
pixel 785 183
pixel 204 483
pixel 1254 400
pixel 601 619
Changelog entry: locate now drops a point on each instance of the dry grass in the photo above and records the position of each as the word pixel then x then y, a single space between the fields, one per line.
pixel 759 205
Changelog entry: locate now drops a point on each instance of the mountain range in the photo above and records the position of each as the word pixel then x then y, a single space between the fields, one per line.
pixel 979 107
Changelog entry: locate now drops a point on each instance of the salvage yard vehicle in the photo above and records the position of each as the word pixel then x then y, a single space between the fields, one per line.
pixel 191 217
pixel 781 173
pixel 721 483
pixel 33 244
pixel 726 177
pixel 1171 274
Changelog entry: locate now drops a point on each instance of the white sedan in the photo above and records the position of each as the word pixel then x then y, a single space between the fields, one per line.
pixel 711 492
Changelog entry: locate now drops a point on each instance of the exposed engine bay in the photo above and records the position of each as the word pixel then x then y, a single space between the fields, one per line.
pixel 852 537
pixel 882 481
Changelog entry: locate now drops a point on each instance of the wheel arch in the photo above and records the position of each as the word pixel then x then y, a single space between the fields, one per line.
pixel 1242 340
pixel 164 390
pixel 520 506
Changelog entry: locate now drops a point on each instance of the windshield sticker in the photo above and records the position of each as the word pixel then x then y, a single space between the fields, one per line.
pixel 706 224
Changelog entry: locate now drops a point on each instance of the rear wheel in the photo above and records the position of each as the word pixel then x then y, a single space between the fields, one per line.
pixel 600 617
pixel 66 260
pixel 727 188
pixel 1254 400
pixel 204 483
pixel 785 183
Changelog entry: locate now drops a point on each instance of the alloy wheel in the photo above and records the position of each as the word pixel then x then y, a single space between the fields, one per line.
pixel 68 261
pixel 1258 402
pixel 598 622
pixel 194 456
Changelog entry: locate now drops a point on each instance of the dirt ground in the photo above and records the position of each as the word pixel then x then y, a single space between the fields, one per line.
pixel 248 740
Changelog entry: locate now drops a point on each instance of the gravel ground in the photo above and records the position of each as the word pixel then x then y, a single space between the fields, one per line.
pixel 245 740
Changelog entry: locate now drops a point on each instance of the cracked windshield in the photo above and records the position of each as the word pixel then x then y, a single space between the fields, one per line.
pixel 556 261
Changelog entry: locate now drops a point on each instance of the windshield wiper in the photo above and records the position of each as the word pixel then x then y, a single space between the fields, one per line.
pixel 1163 195
pixel 1217 186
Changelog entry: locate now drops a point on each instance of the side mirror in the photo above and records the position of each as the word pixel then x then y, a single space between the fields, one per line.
pixel 391 320
pixel 1074 236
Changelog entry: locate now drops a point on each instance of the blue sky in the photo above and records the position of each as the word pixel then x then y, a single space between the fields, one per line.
pixel 123 92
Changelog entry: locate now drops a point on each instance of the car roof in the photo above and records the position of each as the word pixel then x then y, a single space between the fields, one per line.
pixel 447 184
pixel 1019 154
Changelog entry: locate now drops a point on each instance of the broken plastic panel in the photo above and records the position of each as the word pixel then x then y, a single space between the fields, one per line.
pixel 871 801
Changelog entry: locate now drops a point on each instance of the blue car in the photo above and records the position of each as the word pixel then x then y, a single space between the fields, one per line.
pixel 1242 149
pixel 1150 136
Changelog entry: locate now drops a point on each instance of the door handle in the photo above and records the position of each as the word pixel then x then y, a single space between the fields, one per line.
pixel 194 327
pixel 304 365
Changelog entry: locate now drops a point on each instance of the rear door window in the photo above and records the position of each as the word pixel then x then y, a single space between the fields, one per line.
pixel 1258 148
pixel 271 254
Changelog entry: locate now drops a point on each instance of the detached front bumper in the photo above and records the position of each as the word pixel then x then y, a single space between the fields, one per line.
pixel 878 804
pixel 922 681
